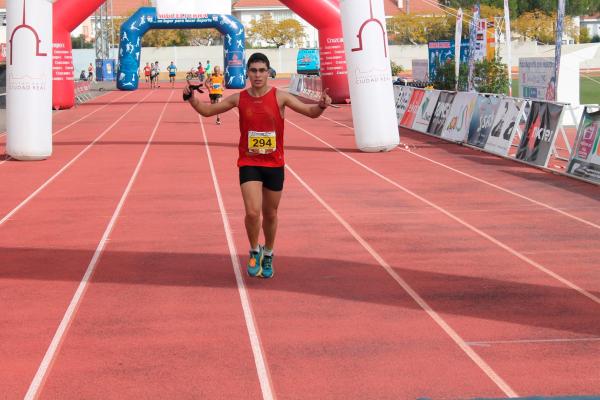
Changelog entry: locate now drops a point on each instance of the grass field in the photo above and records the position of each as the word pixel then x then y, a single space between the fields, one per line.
pixel 589 91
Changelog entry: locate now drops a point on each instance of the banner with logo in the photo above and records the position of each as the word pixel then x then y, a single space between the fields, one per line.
pixel 442 109
pixel 504 127
pixel 168 9
pixel 425 111
pixel 585 161
pixel 420 70
pixel 540 133
pixel 402 94
pixel 536 78
pixel 413 107
pixel 560 17
pixel 442 51
pixel 482 119
pixel 456 127
pixel 457 39
pixel 472 40
pixel 508 45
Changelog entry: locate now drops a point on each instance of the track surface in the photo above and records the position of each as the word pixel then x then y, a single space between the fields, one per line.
pixel 430 271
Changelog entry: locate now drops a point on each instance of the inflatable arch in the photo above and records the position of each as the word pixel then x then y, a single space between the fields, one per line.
pixel 68 15
pixel 146 18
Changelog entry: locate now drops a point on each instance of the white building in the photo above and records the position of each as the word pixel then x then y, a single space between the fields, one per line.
pixel 592 24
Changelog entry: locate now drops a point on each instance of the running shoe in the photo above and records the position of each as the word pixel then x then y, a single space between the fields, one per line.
pixel 218 121
pixel 267 267
pixel 254 263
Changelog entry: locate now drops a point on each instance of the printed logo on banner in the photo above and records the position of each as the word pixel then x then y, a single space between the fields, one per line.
pixel 425 111
pixel 504 126
pixel 402 100
pixel 585 161
pixel 442 109
pixel 24 25
pixel 458 121
pixel 482 120
pixel 540 132
pixel 412 109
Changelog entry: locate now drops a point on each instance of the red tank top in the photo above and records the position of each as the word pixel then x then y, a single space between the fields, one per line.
pixel 261 130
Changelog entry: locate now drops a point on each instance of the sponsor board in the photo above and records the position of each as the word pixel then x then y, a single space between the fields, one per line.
pixel 420 70
pixel 177 9
pixel 504 126
pixel 425 110
pixel 402 95
pixel 443 51
pixel 540 132
pixel 537 79
pixel 482 119
pixel 412 109
pixel 458 121
pixel 442 109
pixel 585 162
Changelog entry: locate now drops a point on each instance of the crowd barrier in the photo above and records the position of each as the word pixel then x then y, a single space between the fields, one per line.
pixel 496 123
pixel 307 86
pixel 82 91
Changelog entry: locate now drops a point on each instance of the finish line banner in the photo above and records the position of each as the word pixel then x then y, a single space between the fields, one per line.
pixel 168 9
pixel 586 154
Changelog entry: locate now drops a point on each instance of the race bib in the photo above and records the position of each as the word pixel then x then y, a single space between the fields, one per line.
pixel 261 142
pixel 216 86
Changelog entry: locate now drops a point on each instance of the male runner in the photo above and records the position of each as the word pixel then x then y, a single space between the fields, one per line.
pixel 147 71
pixel 214 83
pixel 172 73
pixel 260 162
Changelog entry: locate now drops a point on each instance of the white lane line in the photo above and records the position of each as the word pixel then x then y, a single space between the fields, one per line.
pixel 257 351
pixel 75 122
pixel 490 343
pixel 478 231
pixel 43 186
pixel 50 355
pixel 503 189
pixel 415 296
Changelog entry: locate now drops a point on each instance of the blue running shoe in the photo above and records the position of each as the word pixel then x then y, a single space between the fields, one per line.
pixel 267 267
pixel 255 262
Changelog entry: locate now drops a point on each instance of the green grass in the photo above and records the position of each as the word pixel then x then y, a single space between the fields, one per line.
pixel 589 91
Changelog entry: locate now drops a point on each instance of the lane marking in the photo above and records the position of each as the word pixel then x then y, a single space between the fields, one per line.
pixel 43 186
pixel 52 350
pixel 503 189
pixel 478 231
pixel 255 342
pixel 75 122
pixel 485 367
pixel 489 343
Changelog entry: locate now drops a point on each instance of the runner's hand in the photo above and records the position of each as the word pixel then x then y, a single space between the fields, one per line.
pixel 325 100
pixel 188 93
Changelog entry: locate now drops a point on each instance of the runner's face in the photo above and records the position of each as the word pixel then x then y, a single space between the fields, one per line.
pixel 258 74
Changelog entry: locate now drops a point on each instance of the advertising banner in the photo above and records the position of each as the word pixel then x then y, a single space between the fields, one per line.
pixel 508 41
pixel 420 70
pixel 425 111
pixel 585 161
pixel 413 107
pixel 167 9
pixel 560 17
pixel 457 37
pixel 504 126
pixel 456 127
pixel 442 51
pixel 481 40
pixel 403 95
pixel 442 109
pixel 472 40
pixel 482 119
pixel 540 133
pixel 537 80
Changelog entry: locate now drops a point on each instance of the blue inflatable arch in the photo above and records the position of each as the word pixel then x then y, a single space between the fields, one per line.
pixel 146 18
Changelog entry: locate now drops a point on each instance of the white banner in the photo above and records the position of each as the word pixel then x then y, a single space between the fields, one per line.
pixel 457 38
pixel 420 69
pixel 29 79
pixel 508 45
pixel 536 78
pixel 369 75
pixel 402 95
pixel 504 126
pixel 167 9
pixel 458 120
pixel 425 111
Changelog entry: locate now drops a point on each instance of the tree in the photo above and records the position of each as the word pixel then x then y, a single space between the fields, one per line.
pixel 287 31
pixel 420 29
pixel 79 42
pixel 584 35
pixel 535 25
pixel 204 37
pixel 491 76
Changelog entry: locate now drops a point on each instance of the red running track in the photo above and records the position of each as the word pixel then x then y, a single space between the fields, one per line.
pixel 430 271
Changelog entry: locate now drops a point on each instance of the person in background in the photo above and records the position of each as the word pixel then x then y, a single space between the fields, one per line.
pixel 154 75
pixel 172 73
pixel 82 76
pixel 147 71
pixel 208 67
pixel 91 72
pixel 214 83
pixel 201 72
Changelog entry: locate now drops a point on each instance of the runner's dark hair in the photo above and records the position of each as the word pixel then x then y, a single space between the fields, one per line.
pixel 258 57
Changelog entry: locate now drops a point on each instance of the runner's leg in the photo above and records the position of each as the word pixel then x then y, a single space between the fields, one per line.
pixel 270 204
pixel 252 195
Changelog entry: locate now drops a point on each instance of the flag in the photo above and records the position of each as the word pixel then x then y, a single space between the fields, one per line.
pixel 559 31
pixel 457 36
pixel 508 45
pixel 472 39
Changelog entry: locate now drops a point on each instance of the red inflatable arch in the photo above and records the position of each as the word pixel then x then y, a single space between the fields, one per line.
pixel 326 17
pixel 68 15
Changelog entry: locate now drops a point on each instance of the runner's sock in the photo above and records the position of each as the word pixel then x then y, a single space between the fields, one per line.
pixel 256 250
pixel 267 252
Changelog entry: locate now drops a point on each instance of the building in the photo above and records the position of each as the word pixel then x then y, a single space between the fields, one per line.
pixel 591 23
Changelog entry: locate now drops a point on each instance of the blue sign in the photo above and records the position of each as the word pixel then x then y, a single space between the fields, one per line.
pixel 442 51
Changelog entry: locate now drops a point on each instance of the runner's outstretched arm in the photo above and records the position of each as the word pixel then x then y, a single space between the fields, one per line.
pixel 207 109
pixel 310 110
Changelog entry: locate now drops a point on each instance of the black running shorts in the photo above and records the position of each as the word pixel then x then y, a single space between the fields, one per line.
pixel 215 96
pixel 271 177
